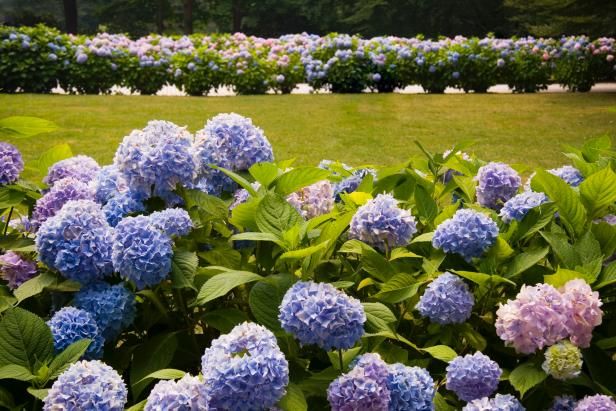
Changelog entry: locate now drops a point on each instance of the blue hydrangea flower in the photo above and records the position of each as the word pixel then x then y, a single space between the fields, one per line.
pixel 82 168
pixel 60 193
pixel 517 207
pixel 569 174
pixel 245 369
pixel 91 385
pixel 447 300
pixel 172 221
pixel 410 388
pixel 351 183
pixel 563 403
pixel 242 195
pixel 596 402
pixel 313 200
pixel 77 242
pixel 318 313
pixel 473 376
pixel 187 394
pixel 358 390
pixel 500 402
pixel 496 183
pixel 111 306
pixel 468 233
pixel 121 206
pixel 230 141
pixel 108 183
pixel 142 253
pixel 11 163
pixel 70 325
pixel 16 270
pixel 382 224
pixel 157 158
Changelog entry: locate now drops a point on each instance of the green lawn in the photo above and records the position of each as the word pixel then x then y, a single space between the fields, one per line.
pixel 357 129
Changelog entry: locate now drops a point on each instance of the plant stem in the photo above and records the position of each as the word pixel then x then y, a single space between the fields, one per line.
pixel 6 223
pixel 341 361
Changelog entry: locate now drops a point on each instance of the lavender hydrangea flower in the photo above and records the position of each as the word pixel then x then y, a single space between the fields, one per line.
pixel 108 183
pixel 373 365
pixel 70 325
pixel 318 313
pixel 157 158
pixel 111 306
pixel 245 369
pixel 496 183
pixel 468 233
pixel 447 300
pixel 358 390
pixel 186 394
pixel 121 206
pixel 563 403
pixel 500 402
pixel 77 242
pixel 535 319
pixel 16 270
pixel 517 207
pixel 314 200
pixel 91 385
pixel 60 193
pixel 382 224
pixel 596 402
pixel 172 221
pixel 142 253
pixel 242 195
pixel 563 361
pixel 410 388
pixel 569 174
pixel 584 311
pixel 11 163
pixel 473 376
pixel 82 168
pixel 351 183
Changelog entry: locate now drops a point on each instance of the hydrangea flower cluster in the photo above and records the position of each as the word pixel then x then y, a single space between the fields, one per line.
pixel 373 365
pixel 584 311
pixel 382 224
pixel 91 385
pixel 358 390
pixel 60 193
pixel 11 163
pixel 563 361
pixel 563 403
pixel 517 207
pixel 157 158
pixel 468 233
pixel 187 394
pixel 172 221
pixel 77 242
pixel 596 402
pixel 500 402
pixel 569 174
pixel 16 270
pixel 410 388
pixel 318 313
pixel 351 183
pixel 229 141
pixel 70 325
pixel 111 306
pixel 496 183
pixel 447 300
pixel 473 376
pixel 245 369
pixel 314 200
pixel 122 205
pixel 82 168
pixel 108 183
pixel 142 252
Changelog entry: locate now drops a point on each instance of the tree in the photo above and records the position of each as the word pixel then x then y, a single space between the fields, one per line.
pixel 188 16
pixel 70 16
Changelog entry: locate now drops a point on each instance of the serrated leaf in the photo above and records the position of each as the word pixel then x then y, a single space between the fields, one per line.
pixel 482 278
pixel 354 247
pixel 427 210
pixel 237 178
pixel 526 376
pixel 526 260
pixel 378 317
pixel 294 399
pixel 224 319
pixel 303 252
pixel 23 126
pixel 265 298
pixel 35 286
pixel 38 393
pixel 562 276
pixel 183 268
pixel 140 406
pixel 298 178
pixel 441 352
pixel 221 284
pixel 10 198
pixel 264 173
pixel 467 185
pixel 52 156
pixel 598 191
pixel 155 354
pixel 398 288
pixel 15 372
pixel 251 236
pixel 533 221
pixel 377 265
pixel 68 356
pixel 274 215
pixel 164 374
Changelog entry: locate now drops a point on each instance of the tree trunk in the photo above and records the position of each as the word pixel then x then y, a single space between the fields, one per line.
pixel 236 9
pixel 70 16
pixel 160 16
pixel 188 16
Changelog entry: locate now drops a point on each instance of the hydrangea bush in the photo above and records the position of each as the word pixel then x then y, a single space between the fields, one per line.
pixel 199 272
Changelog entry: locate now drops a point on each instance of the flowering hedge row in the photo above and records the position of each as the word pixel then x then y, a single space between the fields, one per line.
pixel 199 272
pixel 38 59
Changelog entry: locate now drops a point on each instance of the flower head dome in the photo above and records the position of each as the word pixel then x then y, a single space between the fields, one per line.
pixel 70 325
pixel 563 361
pixel 11 163
pixel 314 200
pixel 447 300
pixel 468 233
pixel 82 168
pixel 473 376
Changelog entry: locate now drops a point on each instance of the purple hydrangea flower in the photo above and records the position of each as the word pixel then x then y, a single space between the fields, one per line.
pixel 373 365
pixel 583 311
pixel 318 313
pixel 60 193
pixel 121 206
pixel 569 174
pixel 468 233
pixel 314 200
pixel 473 376
pixel 70 325
pixel 358 390
pixel 410 388
pixel 172 221
pixel 82 168
pixel 563 403
pixel 447 300
pixel 91 385
pixel 517 207
pixel 496 183
pixel 186 394
pixel 596 402
pixel 11 163
pixel 500 402
pixel 245 369
pixel 382 224
pixel 16 270
pixel 108 183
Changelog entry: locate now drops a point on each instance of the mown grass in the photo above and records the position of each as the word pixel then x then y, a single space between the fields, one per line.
pixel 357 129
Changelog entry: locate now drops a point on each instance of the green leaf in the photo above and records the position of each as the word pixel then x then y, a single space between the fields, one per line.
pixel 15 372
pixel 6 399
pixel 427 210
pixel 221 284
pixel 40 394
pixel 183 268
pixel 52 156
pixel 35 286
pixel 602 368
pixel 526 260
pixel 560 277
pixel 533 221
pixel 467 185
pixel 378 317
pixel 155 354
pixel 10 198
pixel 376 265
pixel 316 384
pixel 264 173
pixel 274 215
pixel 398 288
pixel 237 178
pixel 140 406
pixel 164 374
pixel 265 298
pixel 564 252
pixel 608 276
pixel 224 319
pixel 474 337
pixel 440 404
pixel 526 376
pixel 354 247
pixel 25 339
pixel 294 399
pixel 22 126
pixel 303 252
pixel 441 352
pixel 68 356
pixel 598 191
pixel 482 278
pixel 605 234
pixel 298 178
pixel 244 215
pixel 252 236
pixel 210 204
